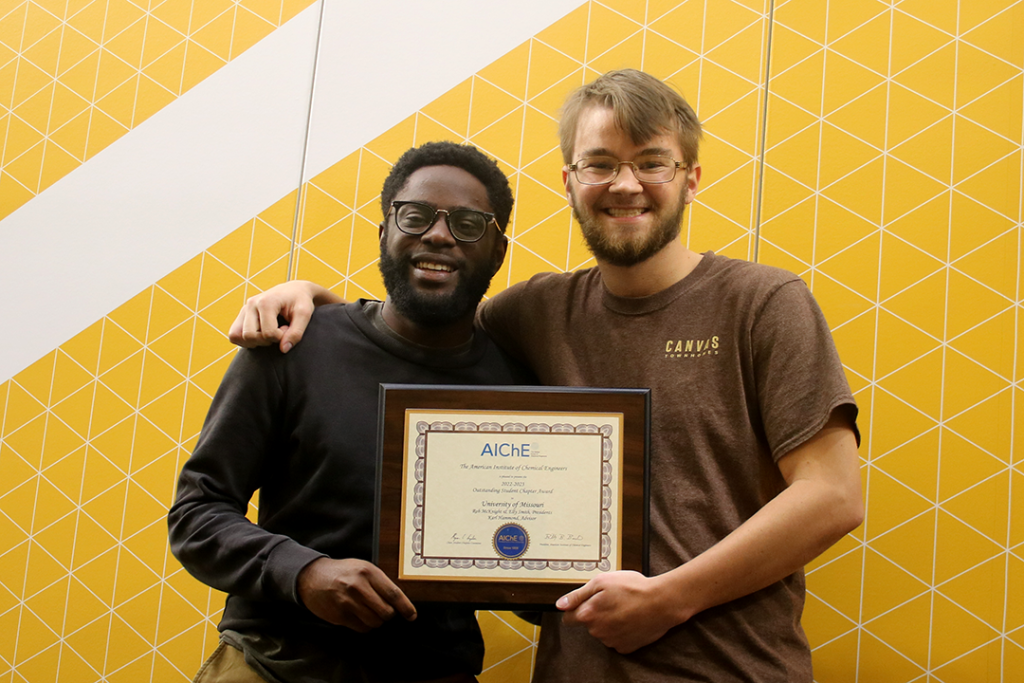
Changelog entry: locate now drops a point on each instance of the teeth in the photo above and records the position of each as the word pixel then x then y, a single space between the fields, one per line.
pixel 434 266
pixel 625 213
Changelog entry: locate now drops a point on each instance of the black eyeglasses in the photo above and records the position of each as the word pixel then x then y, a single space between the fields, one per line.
pixel 465 225
pixel 648 168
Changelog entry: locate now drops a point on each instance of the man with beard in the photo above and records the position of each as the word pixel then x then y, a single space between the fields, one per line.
pixel 304 602
pixel 754 467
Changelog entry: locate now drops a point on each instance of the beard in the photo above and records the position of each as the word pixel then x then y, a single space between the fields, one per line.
pixel 432 309
pixel 627 251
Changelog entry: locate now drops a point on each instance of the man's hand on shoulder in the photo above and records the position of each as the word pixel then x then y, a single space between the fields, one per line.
pixel 256 324
pixel 352 593
pixel 624 610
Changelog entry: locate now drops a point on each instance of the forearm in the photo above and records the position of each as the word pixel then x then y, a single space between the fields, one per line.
pixel 821 503
pixel 219 546
pixel 321 295
pixel 793 529
pixel 207 527
pixel 626 611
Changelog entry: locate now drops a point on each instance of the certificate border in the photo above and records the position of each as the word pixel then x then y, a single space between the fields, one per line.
pixel 487 593
pixel 601 563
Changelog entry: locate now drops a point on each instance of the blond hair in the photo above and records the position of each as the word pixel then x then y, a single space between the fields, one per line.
pixel 644 107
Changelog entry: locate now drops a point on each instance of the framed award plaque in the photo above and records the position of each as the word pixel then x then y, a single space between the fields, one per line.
pixel 509 497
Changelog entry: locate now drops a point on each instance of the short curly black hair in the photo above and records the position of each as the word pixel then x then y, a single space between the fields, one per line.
pixel 466 157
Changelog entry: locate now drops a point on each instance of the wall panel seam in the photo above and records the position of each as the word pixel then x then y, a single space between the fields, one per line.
pixel 763 142
pixel 299 194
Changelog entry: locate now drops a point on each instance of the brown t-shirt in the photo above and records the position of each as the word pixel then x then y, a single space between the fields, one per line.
pixel 742 369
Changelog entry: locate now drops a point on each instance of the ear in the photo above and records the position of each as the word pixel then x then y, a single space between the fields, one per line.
pixel 692 180
pixel 380 231
pixel 500 249
pixel 565 181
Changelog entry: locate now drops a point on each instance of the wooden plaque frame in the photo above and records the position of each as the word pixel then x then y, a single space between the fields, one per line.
pixel 511 590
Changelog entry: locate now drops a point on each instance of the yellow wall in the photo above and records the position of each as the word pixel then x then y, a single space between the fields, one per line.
pixel 891 182
pixel 76 75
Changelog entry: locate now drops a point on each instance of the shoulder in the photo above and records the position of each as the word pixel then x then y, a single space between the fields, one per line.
pixel 749 285
pixel 329 324
pixel 747 275
pixel 330 317
pixel 544 294
pixel 546 287
pixel 584 278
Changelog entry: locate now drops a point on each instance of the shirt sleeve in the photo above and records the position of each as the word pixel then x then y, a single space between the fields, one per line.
pixel 208 530
pixel 800 379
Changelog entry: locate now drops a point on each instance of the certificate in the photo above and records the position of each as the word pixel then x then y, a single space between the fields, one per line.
pixel 509 496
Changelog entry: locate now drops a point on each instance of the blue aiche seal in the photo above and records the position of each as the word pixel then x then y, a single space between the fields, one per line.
pixel 511 541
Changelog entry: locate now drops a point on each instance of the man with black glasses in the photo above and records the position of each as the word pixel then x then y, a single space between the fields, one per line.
pixel 304 602
pixel 754 467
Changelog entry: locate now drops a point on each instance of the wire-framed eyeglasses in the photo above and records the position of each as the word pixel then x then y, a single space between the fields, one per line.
pixel 465 225
pixel 647 168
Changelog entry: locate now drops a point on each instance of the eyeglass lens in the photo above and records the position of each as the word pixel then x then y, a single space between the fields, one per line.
pixel 465 224
pixel 648 168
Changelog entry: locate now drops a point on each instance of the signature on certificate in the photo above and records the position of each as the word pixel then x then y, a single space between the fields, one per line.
pixel 462 539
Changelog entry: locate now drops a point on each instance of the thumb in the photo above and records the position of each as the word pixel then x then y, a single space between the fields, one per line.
pixel 571 601
pixel 294 330
pixel 235 332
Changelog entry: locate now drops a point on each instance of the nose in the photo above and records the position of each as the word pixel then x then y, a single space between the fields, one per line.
pixel 625 180
pixel 439 233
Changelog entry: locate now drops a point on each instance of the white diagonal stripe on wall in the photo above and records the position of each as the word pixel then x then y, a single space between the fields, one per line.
pixel 230 147
pixel 156 197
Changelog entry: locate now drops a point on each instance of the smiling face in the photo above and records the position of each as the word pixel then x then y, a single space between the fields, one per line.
pixel 627 222
pixel 434 280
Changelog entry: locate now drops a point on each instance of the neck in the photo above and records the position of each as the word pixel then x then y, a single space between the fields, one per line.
pixel 661 271
pixel 442 336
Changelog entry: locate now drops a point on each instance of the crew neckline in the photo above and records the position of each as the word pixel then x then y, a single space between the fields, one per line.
pixel 641 305
pixel 366 315
pixel 375 312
